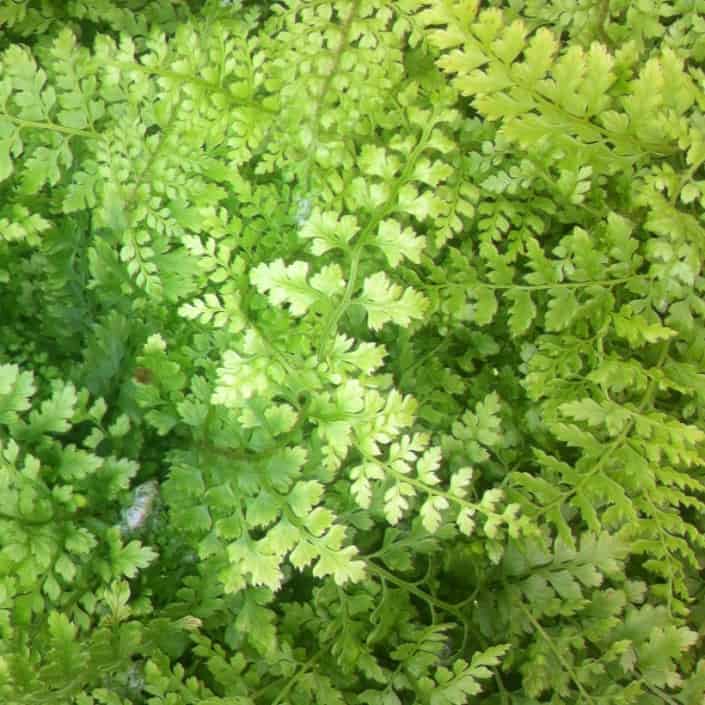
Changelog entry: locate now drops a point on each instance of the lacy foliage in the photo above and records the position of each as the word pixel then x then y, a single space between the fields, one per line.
pixel 352 352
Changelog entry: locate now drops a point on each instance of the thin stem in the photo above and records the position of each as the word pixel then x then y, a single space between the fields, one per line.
pixel 661 694
pixel 292 681
pixel 327 84
pixel 665 549
pixel 422 360
pixel 541 287
pixel 617 443
pixel 686 178
pixel 503 694
pixel 188 78
pixel 603 15
pixel 52 126
pixel 557 654
pixel 345 34
pixel 428 489
pixel 429 599
pixel 23 520
pixel 383 210
pixel 602 135
pixel 606 134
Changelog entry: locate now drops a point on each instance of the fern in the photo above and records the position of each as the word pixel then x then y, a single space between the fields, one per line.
pixel 351 352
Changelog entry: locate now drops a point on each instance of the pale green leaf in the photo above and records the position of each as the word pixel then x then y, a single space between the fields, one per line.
pixel 386 302
pixel 397 243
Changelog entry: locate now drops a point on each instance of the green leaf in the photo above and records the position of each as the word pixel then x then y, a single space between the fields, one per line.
pixel 262 565
pixel 121 426
pixel 329 281
pixel 51 588
pixel 522 312
pixel 129 559
pixel 284 467
pixel 431 512
pixel 585 410
pixel 562 309
pixel 338 561
pixel 376 161
pixel 78 464
pixel 257 623
pixel 80 541
pixel 657 658
pixel 512 42
pixel 280 418
pixel 116 597
pixel 485 306
pixel 396 501
pixel 55 413
pixel 61 629
pixel 420 205
pixel 327 231
pixel 456 686
pixel 65 568
pixel 16 390
pixel 427 465
pixel 387 302
pixel 367 357
pixel 465 521
pixel 397 243
pixel 460 481
pixel 304 496
pixel 303 555
pixel 285 284
pixel 6 161
pixel 639 332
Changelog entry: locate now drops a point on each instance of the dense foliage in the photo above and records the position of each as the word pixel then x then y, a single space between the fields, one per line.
pixel 352 351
